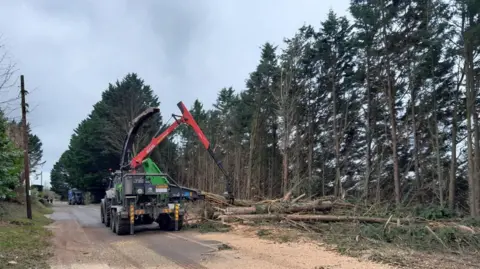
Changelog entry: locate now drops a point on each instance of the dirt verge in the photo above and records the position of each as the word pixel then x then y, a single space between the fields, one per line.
pixel 247 250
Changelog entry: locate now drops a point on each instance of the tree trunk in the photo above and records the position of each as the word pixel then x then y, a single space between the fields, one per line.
pixel 393 121
pixel 439 163
pixel 250 157
pixel 237 170
pixel 274 163
pixel 338 184
pixel 323 178
pixel 285 185
pixel 318 205
pixel 476 131
pixel 470 133
pixel 453 161
pixel 326 218
pixel 415 142
pixel 368 170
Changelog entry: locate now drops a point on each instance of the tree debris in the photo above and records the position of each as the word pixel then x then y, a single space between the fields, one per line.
pixel 294 217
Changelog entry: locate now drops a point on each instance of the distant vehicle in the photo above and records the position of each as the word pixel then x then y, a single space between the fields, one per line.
pixel 75 197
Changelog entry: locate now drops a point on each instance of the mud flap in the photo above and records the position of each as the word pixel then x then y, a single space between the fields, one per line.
pixel 131 206
pixel 177 208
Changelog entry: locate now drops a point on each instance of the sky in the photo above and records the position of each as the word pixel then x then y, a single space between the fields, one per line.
pixel 69 51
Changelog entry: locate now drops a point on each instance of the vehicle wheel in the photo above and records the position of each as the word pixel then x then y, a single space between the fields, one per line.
pixel 107 215
pixel 171 226
pixel 102 215
pixel 122 226
pixel 168 224
pixel 113 219
pixel 163 221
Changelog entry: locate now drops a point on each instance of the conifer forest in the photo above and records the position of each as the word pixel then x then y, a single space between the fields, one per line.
pixel 380 107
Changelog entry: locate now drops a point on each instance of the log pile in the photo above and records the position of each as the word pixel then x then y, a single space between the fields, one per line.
pixel 297 209
pixel 302 213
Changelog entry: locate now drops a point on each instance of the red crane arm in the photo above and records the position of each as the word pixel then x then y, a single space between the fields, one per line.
pixel 185 118
pixel 138 159
pixel 188 119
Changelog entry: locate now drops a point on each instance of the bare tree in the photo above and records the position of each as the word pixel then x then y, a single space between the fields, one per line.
pixel 287 99
pixel 7 70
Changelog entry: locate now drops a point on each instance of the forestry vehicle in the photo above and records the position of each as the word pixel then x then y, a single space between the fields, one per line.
pixel 75 197
pixel 139 193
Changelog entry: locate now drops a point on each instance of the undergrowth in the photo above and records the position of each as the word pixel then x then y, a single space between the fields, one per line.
pixel 208 227
pixel 439 231
pixel 24 243
pixel 416 236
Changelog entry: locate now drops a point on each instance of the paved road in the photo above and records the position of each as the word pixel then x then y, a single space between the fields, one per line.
pixel 82 241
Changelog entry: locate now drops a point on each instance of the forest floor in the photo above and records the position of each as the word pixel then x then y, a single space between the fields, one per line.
pixel 344 232
pixel 337 250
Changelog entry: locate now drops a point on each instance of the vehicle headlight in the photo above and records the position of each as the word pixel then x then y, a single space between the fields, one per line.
pixel 139 191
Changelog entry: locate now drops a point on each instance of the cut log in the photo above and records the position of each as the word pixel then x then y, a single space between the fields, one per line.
pixel 280 207
pixel 220 200
pixel 239 210
pixel 298 198
pixel 324 218
pixel 322 206
pixel 318 205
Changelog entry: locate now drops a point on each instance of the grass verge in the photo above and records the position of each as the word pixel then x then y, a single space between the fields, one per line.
pixel 24 243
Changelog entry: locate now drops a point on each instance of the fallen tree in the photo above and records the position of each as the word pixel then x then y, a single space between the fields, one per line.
pixel 220 200
pixel 325 218
pixel 282 207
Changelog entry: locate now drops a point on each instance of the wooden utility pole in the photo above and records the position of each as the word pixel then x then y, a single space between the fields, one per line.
pixel 26 162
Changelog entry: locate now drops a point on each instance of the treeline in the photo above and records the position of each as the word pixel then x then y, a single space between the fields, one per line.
pixel 11 158
pixel 97 142
pixel 381 108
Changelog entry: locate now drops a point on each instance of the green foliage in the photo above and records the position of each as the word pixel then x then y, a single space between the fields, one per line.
pixel 419 237
pixel 35 146
pixel 35 151
pixel 11 163
pixel 97 142
pixel 434 213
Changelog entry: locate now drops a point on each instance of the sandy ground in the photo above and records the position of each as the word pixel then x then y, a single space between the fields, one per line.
pixel 82 241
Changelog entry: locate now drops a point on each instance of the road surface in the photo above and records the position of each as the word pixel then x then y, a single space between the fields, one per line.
pixel 82 241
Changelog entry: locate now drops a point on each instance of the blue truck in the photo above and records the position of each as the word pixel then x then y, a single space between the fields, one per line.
pixel 75 197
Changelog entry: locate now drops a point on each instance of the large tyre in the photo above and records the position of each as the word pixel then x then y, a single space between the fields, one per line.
pixel 106 211
pixel 122 226
pixel 113 219
pixel 172 225
pixel 102 215
pixel 166 223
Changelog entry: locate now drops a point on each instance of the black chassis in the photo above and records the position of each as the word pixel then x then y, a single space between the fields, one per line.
pixel 132 209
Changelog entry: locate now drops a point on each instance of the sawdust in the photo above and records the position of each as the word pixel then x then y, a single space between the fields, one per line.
pixel 250 252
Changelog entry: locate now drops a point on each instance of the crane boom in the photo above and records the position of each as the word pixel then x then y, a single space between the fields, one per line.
pixel 185 118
